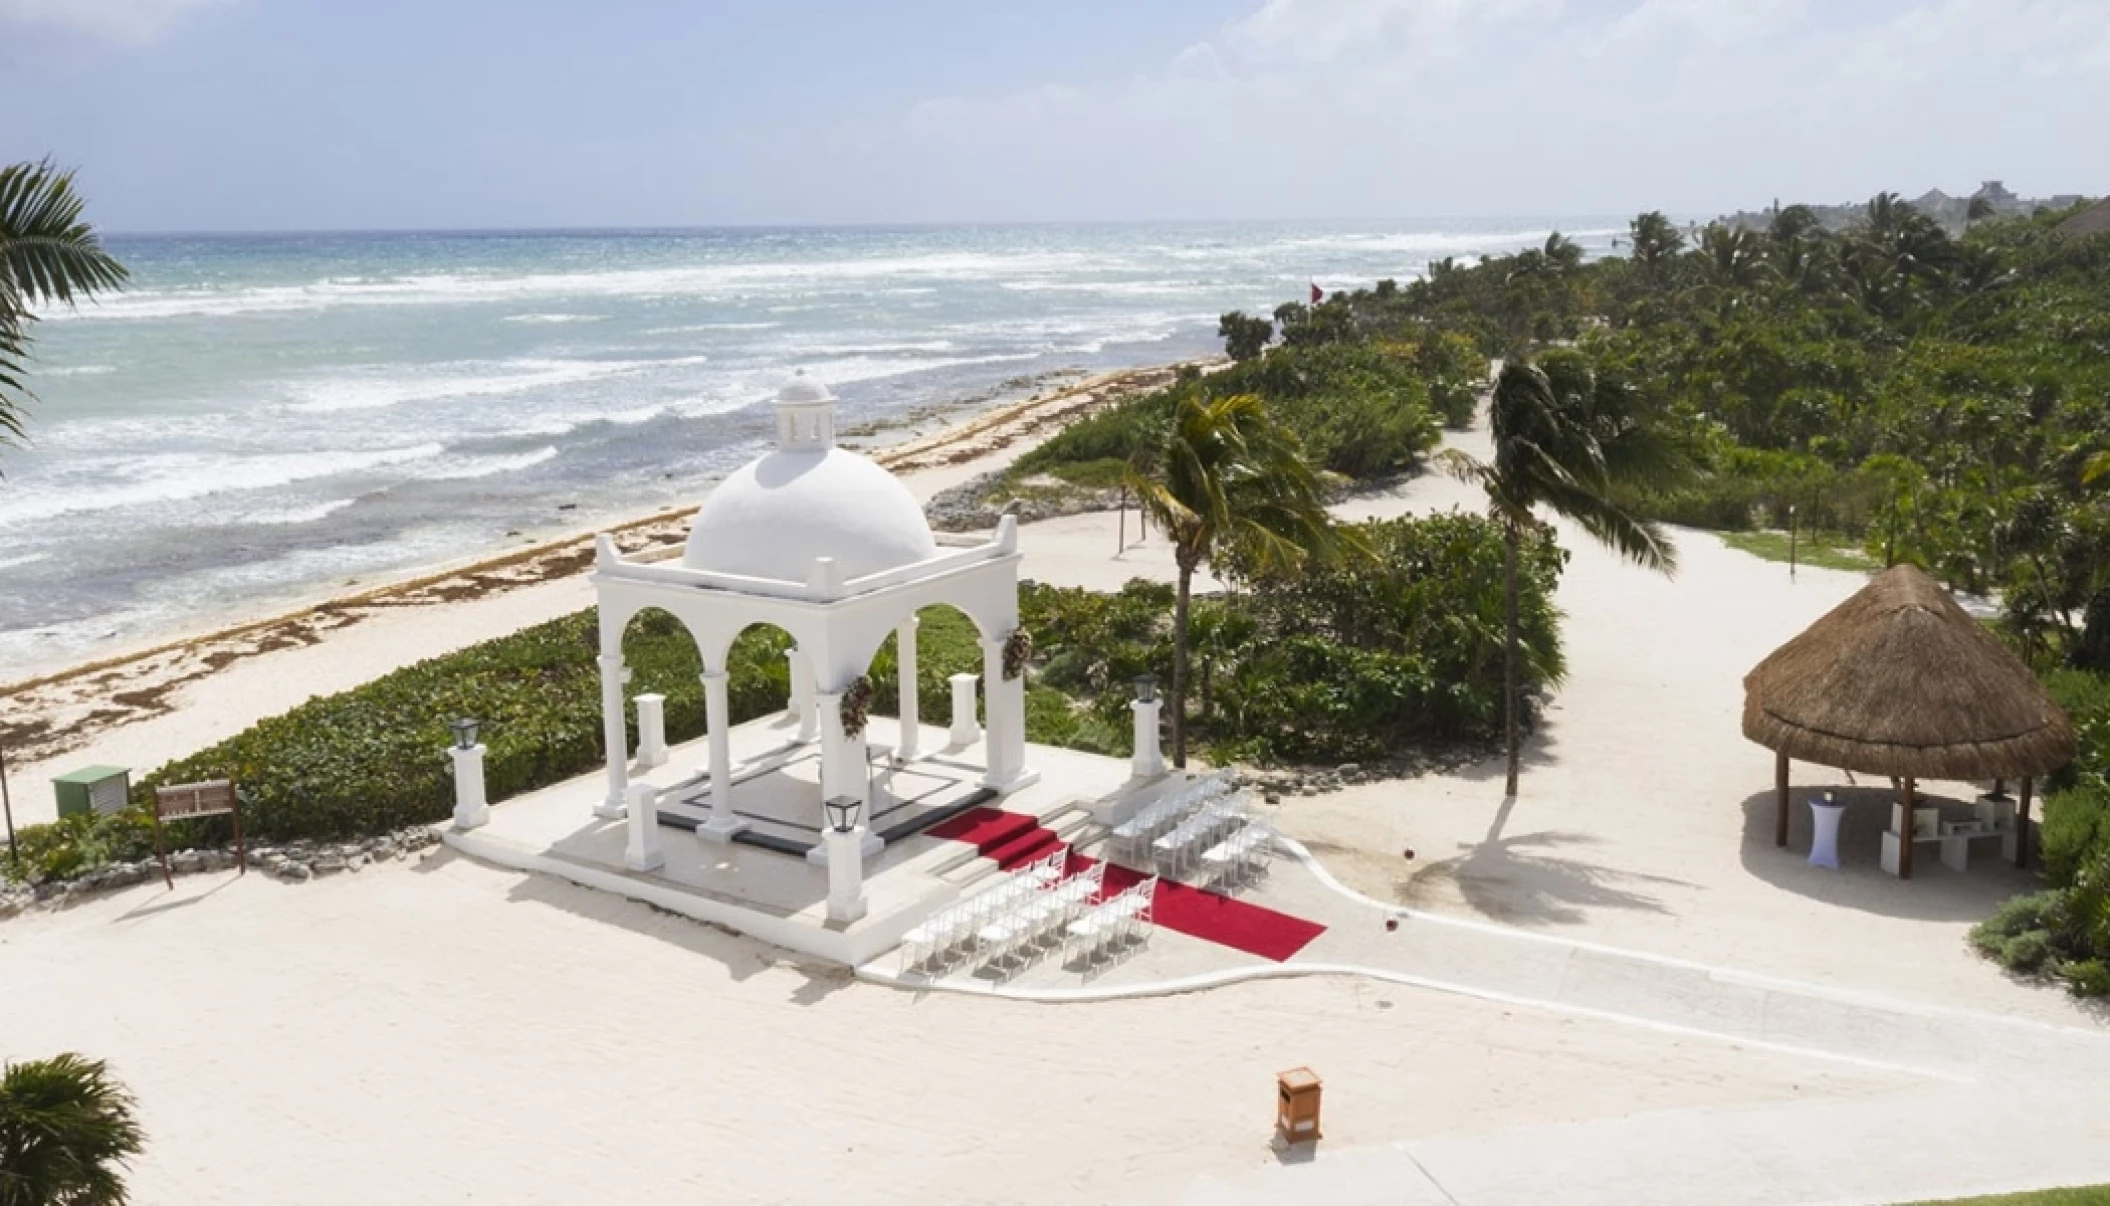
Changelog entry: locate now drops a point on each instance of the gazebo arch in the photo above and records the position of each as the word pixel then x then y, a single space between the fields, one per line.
pixel 1899 680
pixel 829 547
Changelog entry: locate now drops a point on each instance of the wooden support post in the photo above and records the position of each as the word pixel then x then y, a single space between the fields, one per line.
pixel 2022 827
pixel 1905 839
pixel 1780 790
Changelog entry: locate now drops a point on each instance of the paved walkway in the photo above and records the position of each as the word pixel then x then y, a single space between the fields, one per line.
pixel 2001 1103
pixel 1995 1103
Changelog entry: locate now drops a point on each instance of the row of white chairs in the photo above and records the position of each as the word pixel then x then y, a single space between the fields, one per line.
pixel 1131 841
pixel 1240 859
pixel 1122 920
pixel 949 937
pixel 1011 943
pixel 1177 853
pixel 1006 925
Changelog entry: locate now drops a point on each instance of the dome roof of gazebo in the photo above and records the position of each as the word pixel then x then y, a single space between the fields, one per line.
pixel 808 499
pixel 1900 680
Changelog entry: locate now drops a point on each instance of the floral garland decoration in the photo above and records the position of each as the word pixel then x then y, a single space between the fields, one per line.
pixel 1018 649
pixel 856 704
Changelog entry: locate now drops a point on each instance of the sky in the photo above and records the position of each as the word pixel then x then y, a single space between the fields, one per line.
pixel 383 114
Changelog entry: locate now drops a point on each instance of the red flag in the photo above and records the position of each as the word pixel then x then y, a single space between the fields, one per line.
pixel 1317 294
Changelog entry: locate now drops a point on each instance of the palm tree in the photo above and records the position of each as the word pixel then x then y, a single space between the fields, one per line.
pixel 47 255
pixel 1224 475
pixel 1656 243
pixel 65 1128
pixel 1565 438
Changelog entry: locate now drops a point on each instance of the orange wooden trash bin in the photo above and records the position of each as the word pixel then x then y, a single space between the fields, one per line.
pixel 1297 1105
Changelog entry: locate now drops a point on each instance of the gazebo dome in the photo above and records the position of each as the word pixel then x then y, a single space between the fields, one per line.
pixel 808 499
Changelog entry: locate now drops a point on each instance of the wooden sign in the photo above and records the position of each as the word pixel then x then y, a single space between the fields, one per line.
pixel 187 801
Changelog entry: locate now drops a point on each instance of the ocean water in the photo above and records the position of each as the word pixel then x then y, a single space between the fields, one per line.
pixel 258 420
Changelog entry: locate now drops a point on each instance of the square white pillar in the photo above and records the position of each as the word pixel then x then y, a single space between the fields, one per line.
pixel 1149 758
pixel 643 852
pixel 471 809
pixel 651 730
pixel 846 899
pixel 965 729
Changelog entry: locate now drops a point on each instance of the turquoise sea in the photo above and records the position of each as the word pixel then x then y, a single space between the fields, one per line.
pixel 263 419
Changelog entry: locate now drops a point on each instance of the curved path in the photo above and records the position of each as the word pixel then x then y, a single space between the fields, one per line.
pixel 1997 1101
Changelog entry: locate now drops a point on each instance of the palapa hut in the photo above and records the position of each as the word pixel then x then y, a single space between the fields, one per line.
pixel 1900 681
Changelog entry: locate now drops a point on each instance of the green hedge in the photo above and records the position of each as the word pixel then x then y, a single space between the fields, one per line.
pixel 1334 663
pixel 2064 932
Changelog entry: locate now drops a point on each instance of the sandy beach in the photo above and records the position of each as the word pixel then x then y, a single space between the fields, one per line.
pixel 144 707
pixel 443 1030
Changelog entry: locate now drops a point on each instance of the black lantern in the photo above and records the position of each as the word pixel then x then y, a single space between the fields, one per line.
pixel 843 812
pixel 1146 688
pixel 465 733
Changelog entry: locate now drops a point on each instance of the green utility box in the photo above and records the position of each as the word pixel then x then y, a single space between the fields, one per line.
pixel 94 789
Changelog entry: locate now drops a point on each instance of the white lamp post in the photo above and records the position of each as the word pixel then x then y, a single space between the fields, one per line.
pixel 1149 759
pixel 471 809
pixel 846 901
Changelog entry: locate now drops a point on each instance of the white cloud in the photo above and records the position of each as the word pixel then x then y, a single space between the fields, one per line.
pixel 113 20
pixel 1399 107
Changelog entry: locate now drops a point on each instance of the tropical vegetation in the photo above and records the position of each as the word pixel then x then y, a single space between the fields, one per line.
pixel 1222 475
pixel 1311 662
pixel 1566 438
pixel 48 256
pixel 67 1129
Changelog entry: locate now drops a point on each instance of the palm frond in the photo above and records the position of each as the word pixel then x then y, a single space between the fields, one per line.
pixel 47 253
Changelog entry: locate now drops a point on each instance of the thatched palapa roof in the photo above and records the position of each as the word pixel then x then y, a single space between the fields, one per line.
pixel 2094 220
pixel 1899 680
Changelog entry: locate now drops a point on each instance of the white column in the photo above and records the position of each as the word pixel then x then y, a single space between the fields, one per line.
pixel 1149 759
pixel 651 730
pixel 616 734
pixel 905 664
pixel 802 702
pixel 846 900
pixel 643 852
pixel 471 809
pixel 717 713
pixel 965 731
pixel 1005 702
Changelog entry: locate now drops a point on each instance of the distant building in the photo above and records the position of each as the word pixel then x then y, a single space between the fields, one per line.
pixel 2094 220
pixel 1997 195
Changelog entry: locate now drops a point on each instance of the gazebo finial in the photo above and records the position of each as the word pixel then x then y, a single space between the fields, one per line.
pixel 805 415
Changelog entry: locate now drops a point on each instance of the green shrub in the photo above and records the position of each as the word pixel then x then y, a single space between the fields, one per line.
pixel 2038 912
pixel 79 843
pixel 1359 409
pixel 2026 952
pixel 2076 828
pixel 2088 977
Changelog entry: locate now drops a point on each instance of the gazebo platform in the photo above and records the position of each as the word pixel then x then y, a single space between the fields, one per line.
pixel 769 890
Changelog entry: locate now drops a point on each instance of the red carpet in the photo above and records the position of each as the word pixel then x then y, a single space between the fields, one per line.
pixel 1013 839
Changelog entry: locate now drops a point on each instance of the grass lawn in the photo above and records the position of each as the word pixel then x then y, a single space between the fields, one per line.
pixel 1829 550
pixel 2094 1195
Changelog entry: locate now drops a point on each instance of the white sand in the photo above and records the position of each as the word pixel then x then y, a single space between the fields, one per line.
pixel 447 1032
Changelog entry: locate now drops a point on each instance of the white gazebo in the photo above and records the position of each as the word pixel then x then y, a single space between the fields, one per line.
pixel 831 548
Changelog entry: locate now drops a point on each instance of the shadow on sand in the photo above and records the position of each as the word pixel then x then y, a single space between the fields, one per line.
pixel 741 956
pixel 1520 879
pixel 1934 893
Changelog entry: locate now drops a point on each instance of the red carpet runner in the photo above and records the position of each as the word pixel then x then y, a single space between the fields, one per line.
pixel 1014 839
